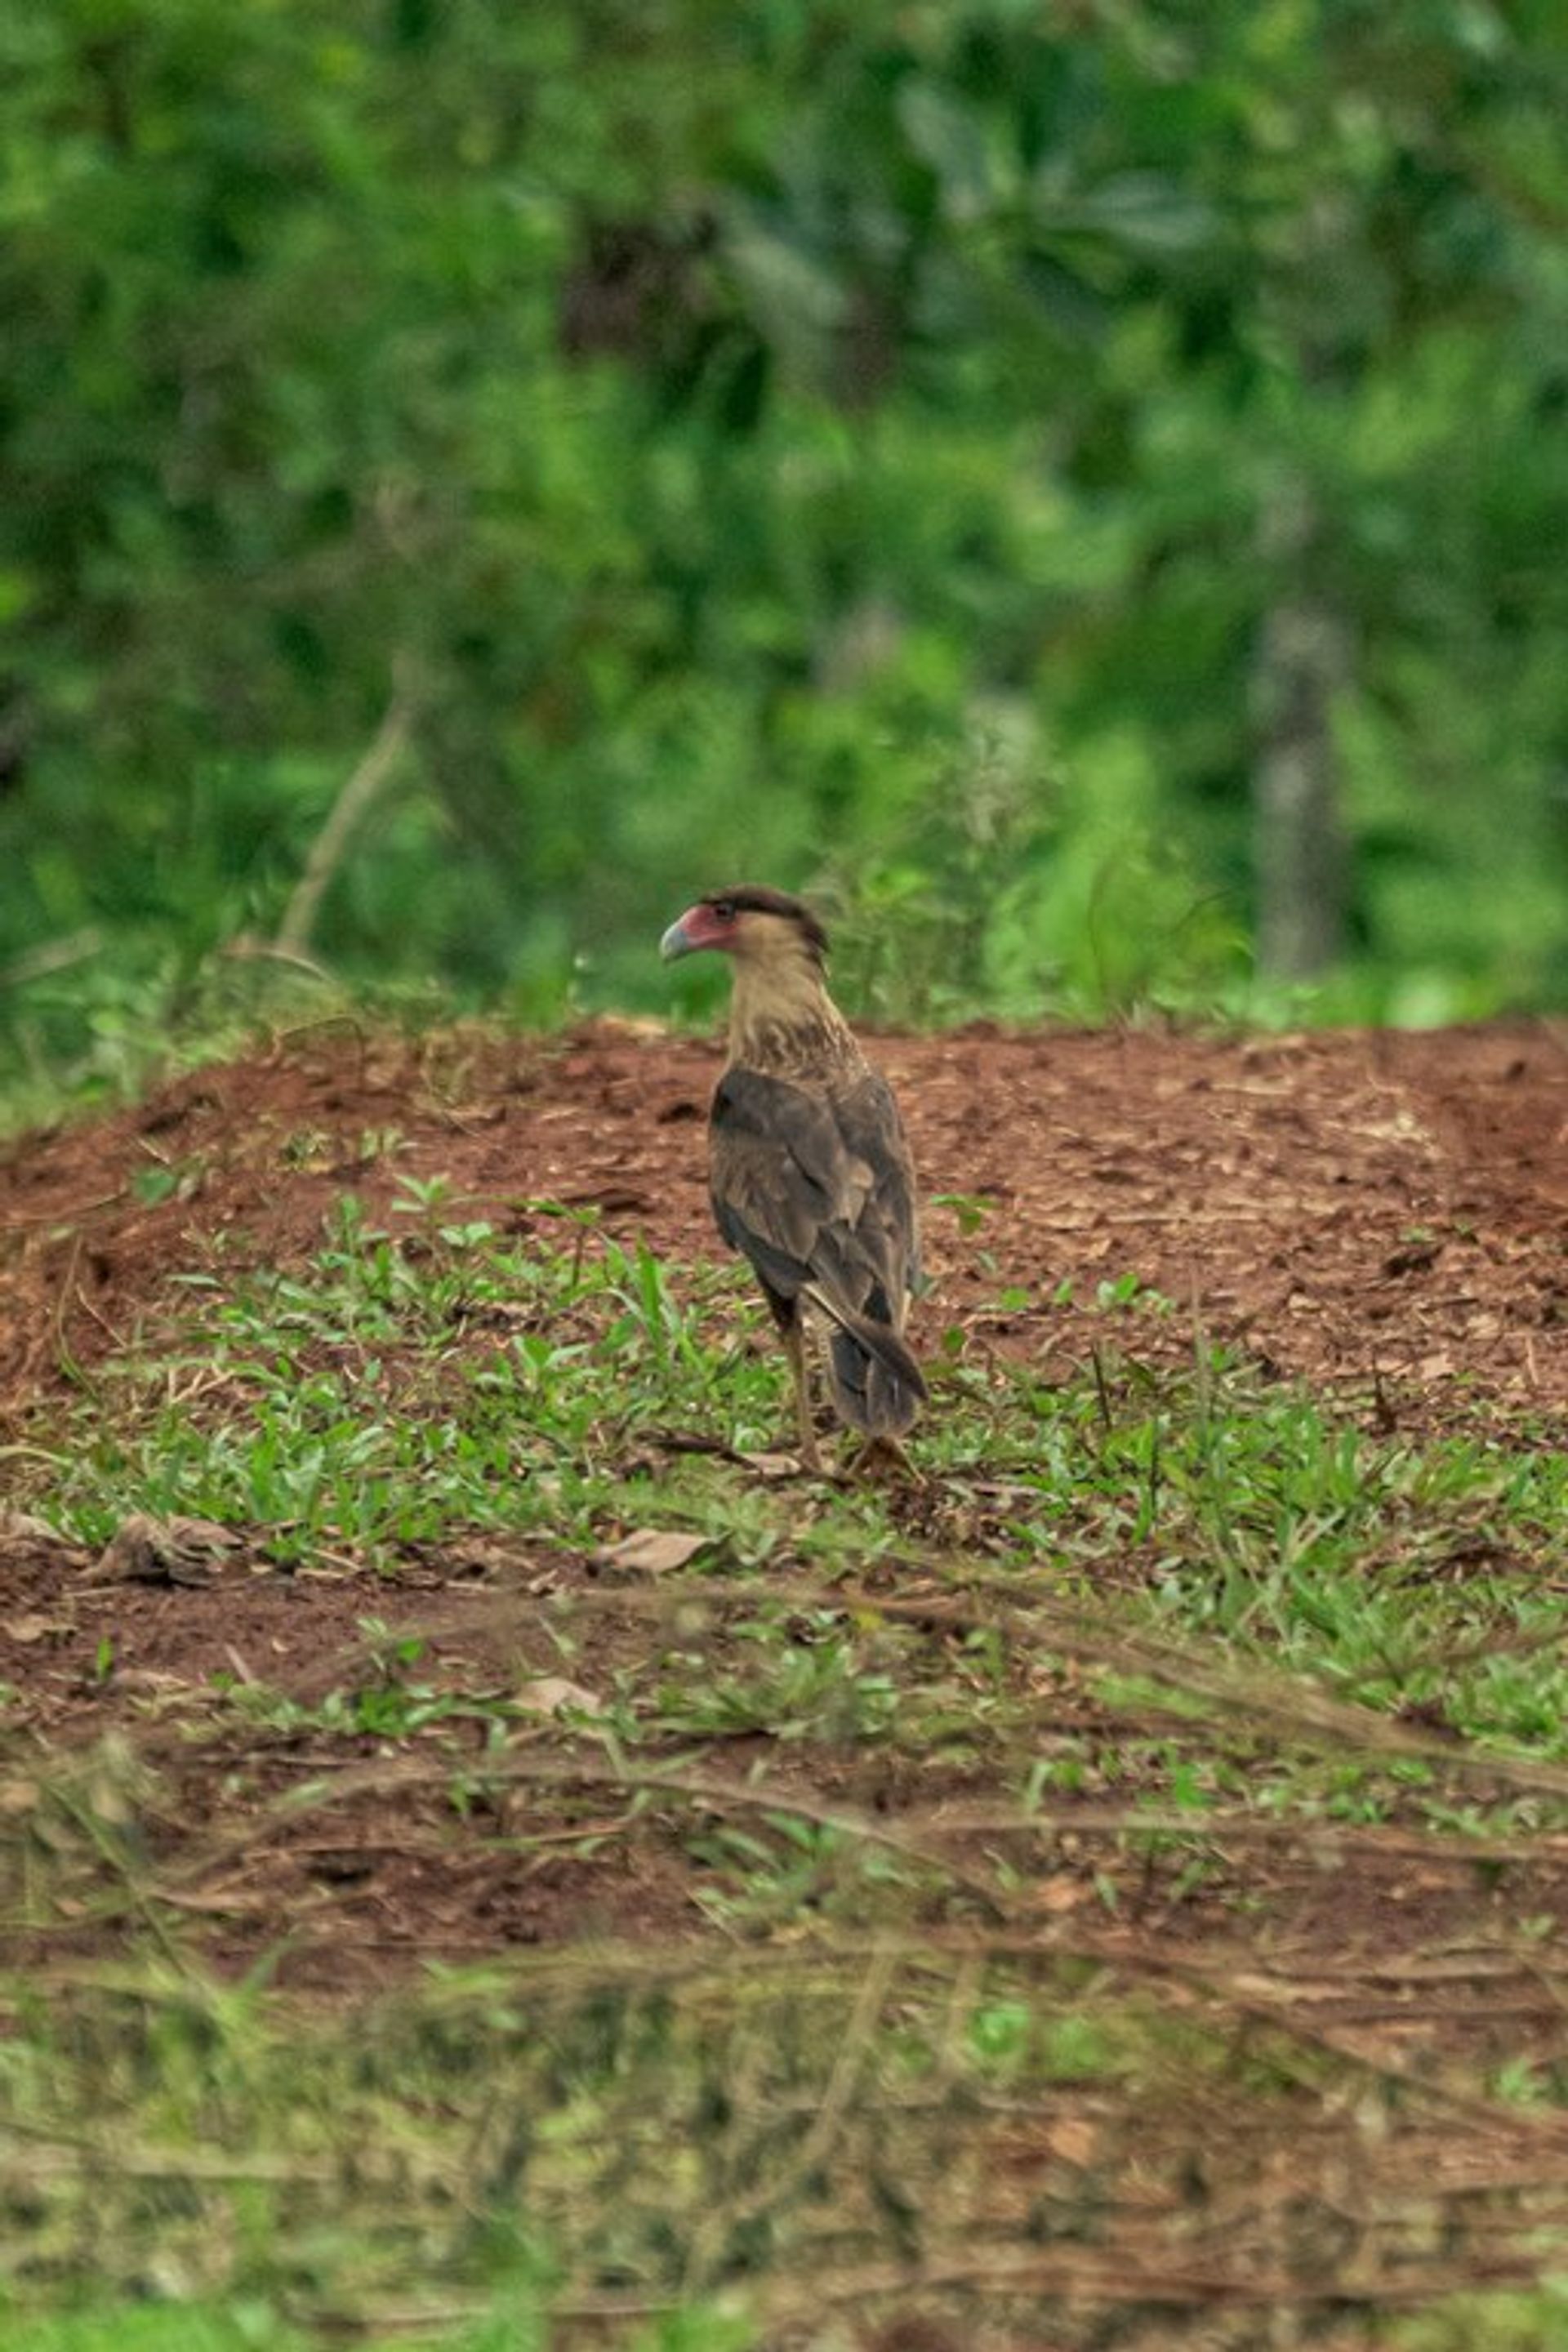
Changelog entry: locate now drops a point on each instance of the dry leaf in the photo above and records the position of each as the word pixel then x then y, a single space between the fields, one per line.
pixel 22 1527
pixel 145 1550
pixel 551 1695
pixel 652 1552
pixel 773 1466
pixel 1074 2139
pixel 1060 1893
pixel 32 1628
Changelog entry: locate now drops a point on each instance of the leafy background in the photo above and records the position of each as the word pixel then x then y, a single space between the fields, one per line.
pixel 975 460
pixel 1080 485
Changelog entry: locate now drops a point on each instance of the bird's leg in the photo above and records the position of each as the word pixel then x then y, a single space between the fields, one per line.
pixel 885 1454
pixel 792 1334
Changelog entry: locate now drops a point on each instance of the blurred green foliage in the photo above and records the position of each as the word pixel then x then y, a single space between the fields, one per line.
pixel 825 444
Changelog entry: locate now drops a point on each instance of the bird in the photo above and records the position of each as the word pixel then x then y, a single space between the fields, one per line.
pixel 809 1172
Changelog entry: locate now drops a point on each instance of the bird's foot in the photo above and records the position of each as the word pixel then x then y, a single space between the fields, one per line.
pixel 802 1443
pixel 884 1458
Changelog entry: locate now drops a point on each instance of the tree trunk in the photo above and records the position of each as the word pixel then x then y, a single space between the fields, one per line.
pixel 1302 664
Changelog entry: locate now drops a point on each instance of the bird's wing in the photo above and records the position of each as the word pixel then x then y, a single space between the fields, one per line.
pixel 809 1186
pixel 868 1118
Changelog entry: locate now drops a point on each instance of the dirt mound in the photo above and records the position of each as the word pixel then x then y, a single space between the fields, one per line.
pixel 346 1779
pixel 1378 1215
pixel 1382 1214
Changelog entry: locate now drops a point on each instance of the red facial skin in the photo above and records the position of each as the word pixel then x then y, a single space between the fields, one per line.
pixel 700 926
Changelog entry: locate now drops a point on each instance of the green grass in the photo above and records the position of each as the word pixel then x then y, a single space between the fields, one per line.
pixel 329 2164
pixel 413 1385
pixel 397 1390
pixel 1129 1633
pixel 514 2324
pixel 142 2328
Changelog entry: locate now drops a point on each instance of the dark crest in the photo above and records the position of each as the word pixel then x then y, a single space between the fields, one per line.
pixel 755 897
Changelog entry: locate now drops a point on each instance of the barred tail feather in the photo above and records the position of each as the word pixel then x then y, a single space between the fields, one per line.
pixel 877 1385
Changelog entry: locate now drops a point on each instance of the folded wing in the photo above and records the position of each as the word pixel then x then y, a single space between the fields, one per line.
pixel 817 1189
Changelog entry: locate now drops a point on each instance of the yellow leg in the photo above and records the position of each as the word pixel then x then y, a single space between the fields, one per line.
pixel 886 1454
pixel 794 1337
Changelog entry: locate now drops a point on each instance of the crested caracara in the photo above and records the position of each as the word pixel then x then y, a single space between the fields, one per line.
pixel 809 1171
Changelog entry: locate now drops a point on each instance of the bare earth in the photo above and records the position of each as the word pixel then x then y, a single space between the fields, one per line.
pixel 1382 1216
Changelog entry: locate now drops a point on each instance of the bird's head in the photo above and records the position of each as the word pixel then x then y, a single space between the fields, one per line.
pixel 753 925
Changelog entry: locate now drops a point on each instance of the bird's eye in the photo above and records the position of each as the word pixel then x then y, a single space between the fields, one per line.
pixel 724 909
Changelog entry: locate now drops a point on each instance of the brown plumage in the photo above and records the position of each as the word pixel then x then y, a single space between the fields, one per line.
pixel 809 1172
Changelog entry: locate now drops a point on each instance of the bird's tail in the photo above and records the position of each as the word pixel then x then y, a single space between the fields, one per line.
pixel 878 1386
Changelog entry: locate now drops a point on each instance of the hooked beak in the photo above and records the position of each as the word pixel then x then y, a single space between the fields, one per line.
pixel 677 941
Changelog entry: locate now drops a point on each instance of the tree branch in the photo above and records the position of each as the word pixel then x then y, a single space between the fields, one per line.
pixel 331 844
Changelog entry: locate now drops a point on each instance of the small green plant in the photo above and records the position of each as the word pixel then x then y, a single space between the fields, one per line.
pixel 970 1209
pixel 1139 1648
